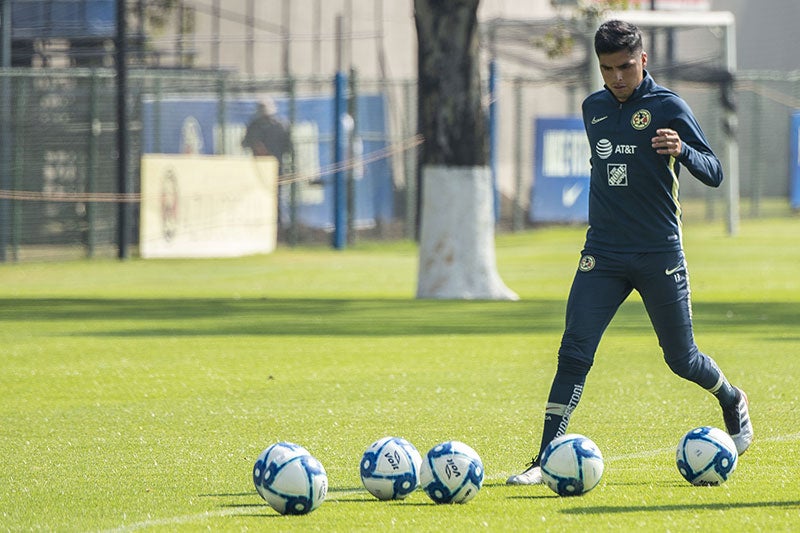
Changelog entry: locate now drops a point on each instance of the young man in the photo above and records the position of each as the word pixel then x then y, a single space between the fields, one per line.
pixel 640 134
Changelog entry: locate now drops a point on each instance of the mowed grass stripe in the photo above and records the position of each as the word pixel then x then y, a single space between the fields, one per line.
pixel 138 394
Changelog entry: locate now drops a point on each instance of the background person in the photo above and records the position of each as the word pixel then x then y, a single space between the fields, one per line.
pixel 268 135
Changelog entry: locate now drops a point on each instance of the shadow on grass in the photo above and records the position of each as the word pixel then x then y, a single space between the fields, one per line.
pixel 551 496
pixel 227 495
pixel 363 317
pixel 244 505
pixel 649 484
pixel 336 317
pixel 607 509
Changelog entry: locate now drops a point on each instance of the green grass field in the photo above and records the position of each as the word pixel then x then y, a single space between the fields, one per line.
pixel 137 395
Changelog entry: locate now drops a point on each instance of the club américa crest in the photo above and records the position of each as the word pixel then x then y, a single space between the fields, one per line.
pixel 586 263
pixel 641 119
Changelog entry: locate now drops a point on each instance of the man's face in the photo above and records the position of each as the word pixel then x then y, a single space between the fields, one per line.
pixel 622 72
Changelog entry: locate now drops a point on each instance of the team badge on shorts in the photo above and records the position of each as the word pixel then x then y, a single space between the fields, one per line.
pixel 641 119
pixel 586 264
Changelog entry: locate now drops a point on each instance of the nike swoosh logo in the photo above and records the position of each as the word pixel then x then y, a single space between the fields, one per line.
pixel 595 120
pixel 671 271
pixel 570 195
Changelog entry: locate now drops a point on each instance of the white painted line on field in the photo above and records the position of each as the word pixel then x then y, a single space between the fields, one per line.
pixel 188 519
pixel 178 520
pixel 652 453
pixel 780 438
pixel 233 511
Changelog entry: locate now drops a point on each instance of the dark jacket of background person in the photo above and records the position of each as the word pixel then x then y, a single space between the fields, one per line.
pixel 267 135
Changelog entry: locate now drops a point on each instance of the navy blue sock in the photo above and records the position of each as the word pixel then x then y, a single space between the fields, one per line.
pixel 565 393
pixel 721 388
pixel 724 391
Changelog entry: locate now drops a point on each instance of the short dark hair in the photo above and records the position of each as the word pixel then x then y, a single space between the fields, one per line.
pixel 616 35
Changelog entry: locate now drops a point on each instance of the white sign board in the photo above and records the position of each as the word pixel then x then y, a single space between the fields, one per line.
pixel 208 206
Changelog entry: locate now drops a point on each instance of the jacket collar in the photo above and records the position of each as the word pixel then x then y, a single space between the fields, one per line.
pixel 644 87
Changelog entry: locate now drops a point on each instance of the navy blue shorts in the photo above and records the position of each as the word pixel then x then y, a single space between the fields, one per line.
pixel 604 280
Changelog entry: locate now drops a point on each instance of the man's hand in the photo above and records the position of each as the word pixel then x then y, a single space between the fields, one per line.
pixel 667 142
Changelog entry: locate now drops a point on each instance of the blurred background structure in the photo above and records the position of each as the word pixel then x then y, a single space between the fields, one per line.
pixel 342 74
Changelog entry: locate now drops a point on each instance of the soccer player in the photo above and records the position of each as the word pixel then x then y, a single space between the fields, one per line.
pixel 640 134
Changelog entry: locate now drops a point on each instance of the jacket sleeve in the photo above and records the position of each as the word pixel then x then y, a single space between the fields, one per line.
pixel 696 155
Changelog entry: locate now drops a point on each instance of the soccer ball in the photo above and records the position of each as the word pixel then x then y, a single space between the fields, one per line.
pixel 290 479
pixel 390 468
pixel 706 456
pixel 452 472
pixel 571 465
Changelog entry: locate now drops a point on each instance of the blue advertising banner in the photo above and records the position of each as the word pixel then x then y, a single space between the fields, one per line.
pixel 794 163
pixel 560 191
pixel 63 19
pixel 185 125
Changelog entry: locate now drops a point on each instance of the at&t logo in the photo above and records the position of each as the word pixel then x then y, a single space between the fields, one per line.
pixel 604 148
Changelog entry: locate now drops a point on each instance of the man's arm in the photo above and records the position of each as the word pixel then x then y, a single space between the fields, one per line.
pixel 686 142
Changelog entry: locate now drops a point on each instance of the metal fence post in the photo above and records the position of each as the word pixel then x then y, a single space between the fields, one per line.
pixel 123 220
pixel 5 134
pixel 157 97
pixel 5 124
pixel 5 165
pixel 352 110
pixel 221 95
pixel 91 162
pixel 339 145
pixel 20 90
pixel 293 232
pixel 518 220
pixel 409 165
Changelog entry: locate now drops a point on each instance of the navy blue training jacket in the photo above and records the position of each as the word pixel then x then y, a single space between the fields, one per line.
pixel 633 197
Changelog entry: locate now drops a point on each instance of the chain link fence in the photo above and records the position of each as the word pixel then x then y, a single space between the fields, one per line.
pixel 58 166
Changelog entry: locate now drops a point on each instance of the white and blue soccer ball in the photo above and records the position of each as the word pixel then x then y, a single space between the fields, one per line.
pixel 706 456
pixel 290 479
pixel 571 465
pixel 390 468
pixel 451 472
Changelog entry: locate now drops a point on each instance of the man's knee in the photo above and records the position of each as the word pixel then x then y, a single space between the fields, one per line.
pixel 574 364
pixel 686 364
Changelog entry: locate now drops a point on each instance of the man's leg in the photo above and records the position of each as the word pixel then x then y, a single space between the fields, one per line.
pixel 663 282
pixel 598 289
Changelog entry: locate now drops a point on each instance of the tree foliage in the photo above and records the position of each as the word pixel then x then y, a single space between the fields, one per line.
pixel 560 40
pixel 157 13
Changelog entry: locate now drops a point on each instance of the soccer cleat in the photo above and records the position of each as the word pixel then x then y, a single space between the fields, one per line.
pixel 531 476
pixel 737 422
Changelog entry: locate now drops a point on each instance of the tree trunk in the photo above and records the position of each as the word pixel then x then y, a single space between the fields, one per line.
pixel 450 112
pixel 457 258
